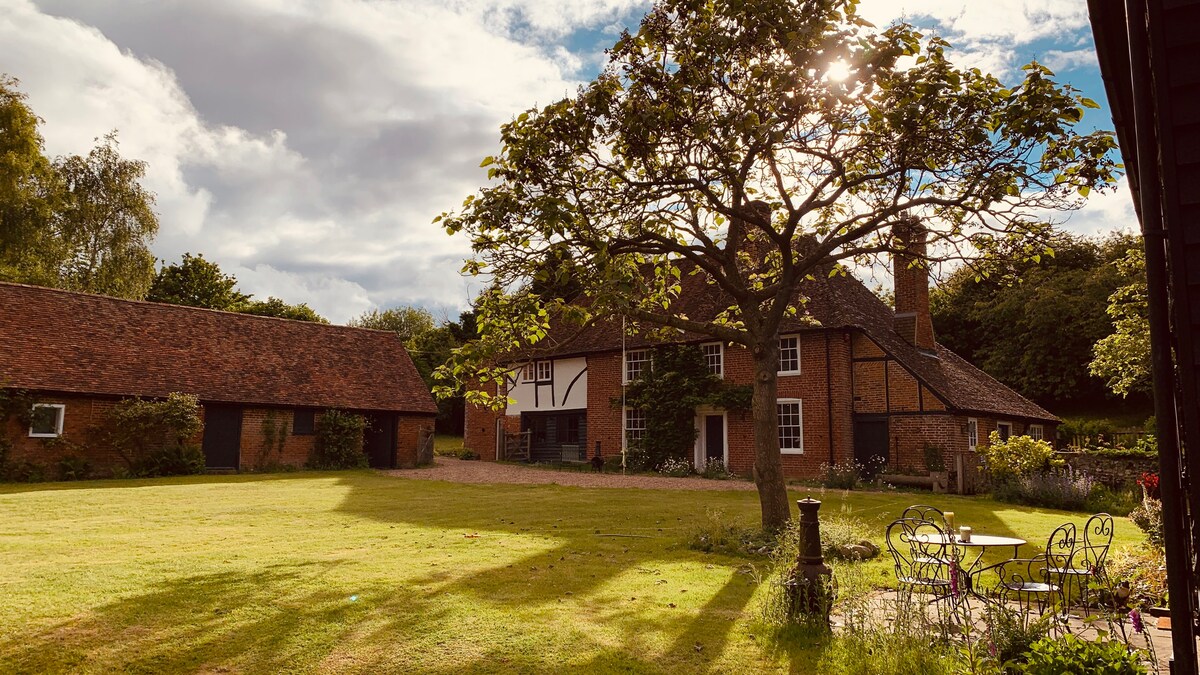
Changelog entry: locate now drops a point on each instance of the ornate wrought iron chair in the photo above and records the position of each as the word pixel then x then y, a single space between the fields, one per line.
pixel 1086 564
pixel 926 512
pixel 924 560
pixel 1030 582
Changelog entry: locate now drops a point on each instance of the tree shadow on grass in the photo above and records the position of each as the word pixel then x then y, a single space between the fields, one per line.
pixel 267 621
pixel 588 559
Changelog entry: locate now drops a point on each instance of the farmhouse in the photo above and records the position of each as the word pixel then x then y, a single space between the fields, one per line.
pixel 857 381
pixel 261 381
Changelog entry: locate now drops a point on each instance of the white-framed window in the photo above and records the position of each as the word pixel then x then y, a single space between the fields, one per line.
pixel 791 425
pixel 714 358
pixel 1036 432
pixel 527 373
pixel 46 420
pixel 972 433
pixel 636 361
pixel 635 424
pixel 789 355
pixel 545 371
pixel 1004 429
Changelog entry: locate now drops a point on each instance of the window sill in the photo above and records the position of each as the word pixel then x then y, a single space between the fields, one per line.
pixel 788 372
pixel 791 451
pixel 33 435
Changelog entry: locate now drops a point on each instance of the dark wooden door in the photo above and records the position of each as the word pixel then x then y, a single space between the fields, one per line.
pixel 714 437
pixel 379 441
pixel 871 444
pixel 222 436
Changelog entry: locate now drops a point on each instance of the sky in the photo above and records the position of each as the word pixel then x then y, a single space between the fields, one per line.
pixel 307 145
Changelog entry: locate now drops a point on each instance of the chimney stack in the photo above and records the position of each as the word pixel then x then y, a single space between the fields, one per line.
pixel 911 275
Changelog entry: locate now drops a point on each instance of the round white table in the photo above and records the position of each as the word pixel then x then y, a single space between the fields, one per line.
pixel 980 541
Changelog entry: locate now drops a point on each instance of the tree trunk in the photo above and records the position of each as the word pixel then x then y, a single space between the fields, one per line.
pixel 768 465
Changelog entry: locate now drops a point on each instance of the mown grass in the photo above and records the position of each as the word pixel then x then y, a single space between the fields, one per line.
pixel 360 572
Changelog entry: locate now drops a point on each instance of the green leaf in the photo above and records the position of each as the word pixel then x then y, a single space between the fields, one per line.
pixel 487 161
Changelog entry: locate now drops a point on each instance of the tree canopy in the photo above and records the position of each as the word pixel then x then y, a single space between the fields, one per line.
pixel 273 306
pixel 1035 332
pixel 78 222
pixel 762 143
pixel 196 282
pixel 1122 359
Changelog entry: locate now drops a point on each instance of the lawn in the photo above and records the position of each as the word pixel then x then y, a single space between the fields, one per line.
pixel 356 571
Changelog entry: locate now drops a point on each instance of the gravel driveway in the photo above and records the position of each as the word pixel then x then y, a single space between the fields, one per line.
pixel 463 471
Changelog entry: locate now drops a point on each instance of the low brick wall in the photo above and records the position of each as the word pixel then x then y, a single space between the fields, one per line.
pixel 1115 472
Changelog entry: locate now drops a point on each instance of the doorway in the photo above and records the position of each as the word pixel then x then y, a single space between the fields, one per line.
pixel 222 442
pixel 871 445
pixel 712 439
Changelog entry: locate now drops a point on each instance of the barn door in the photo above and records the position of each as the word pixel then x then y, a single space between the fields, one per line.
pixel 222 436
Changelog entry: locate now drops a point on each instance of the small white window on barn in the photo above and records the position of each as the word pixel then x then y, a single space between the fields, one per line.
pixel 46 420
pixel 545 371
pixel 972 433
pixel 714 358
pixel 635 362
pixel 635 424
pixel 789 355
pixel 1035 432
pixel 791 425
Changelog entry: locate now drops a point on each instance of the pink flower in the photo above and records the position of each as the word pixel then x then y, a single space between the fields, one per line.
pixel 1135 618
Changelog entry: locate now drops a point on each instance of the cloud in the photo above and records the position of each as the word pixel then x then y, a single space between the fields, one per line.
pixel 283 135
pixel 307 146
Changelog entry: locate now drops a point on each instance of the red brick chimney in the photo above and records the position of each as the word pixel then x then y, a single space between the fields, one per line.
pixel 912 320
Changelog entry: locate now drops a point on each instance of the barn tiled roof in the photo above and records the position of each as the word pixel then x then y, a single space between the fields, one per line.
pixel 833 302
pixel 68 342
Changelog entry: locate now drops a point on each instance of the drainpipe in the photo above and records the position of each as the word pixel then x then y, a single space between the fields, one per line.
pixel 829 398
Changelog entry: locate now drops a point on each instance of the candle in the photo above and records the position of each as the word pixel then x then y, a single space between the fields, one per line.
pixel 949 515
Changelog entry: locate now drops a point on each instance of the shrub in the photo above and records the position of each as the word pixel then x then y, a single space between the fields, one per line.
pixel 1103 499
pixel 1017 457
pixel 1012 632
pixel 339 441
pixel 1071 655
pixel 715 469
pixel 935 460
pixel 1148 517
pixel 721 534
pixel 677 468
pixel 175 460
pixel 467 454
pixel 842 475
pixel 1143 567
pixel 1066 490
pixel 74 467
pixel 150 435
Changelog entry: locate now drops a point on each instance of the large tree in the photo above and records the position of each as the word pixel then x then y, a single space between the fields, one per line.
pixel 1014 328
pixel 27 189
pixel 757 144
pixel 1122 359
pixel 78 222
pixel 196 282
pixel 106 222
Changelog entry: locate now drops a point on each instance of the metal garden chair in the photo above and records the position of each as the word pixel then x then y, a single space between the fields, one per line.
pixel 926 512
pixel 925 560
pixel 1086 564
pixel 1030 582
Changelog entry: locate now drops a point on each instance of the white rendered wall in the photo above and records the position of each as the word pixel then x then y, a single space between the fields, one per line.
pixel 567 390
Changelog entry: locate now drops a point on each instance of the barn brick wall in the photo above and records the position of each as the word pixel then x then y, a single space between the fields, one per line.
pixel 82 420
pixel 255 453
pixel 410 431
pixel 479 426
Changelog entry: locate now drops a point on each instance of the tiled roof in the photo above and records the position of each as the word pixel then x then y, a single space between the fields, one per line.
pixel 833 302
pixel 68 342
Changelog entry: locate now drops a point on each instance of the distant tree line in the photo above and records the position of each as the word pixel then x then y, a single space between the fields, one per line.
pixel 1062 330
